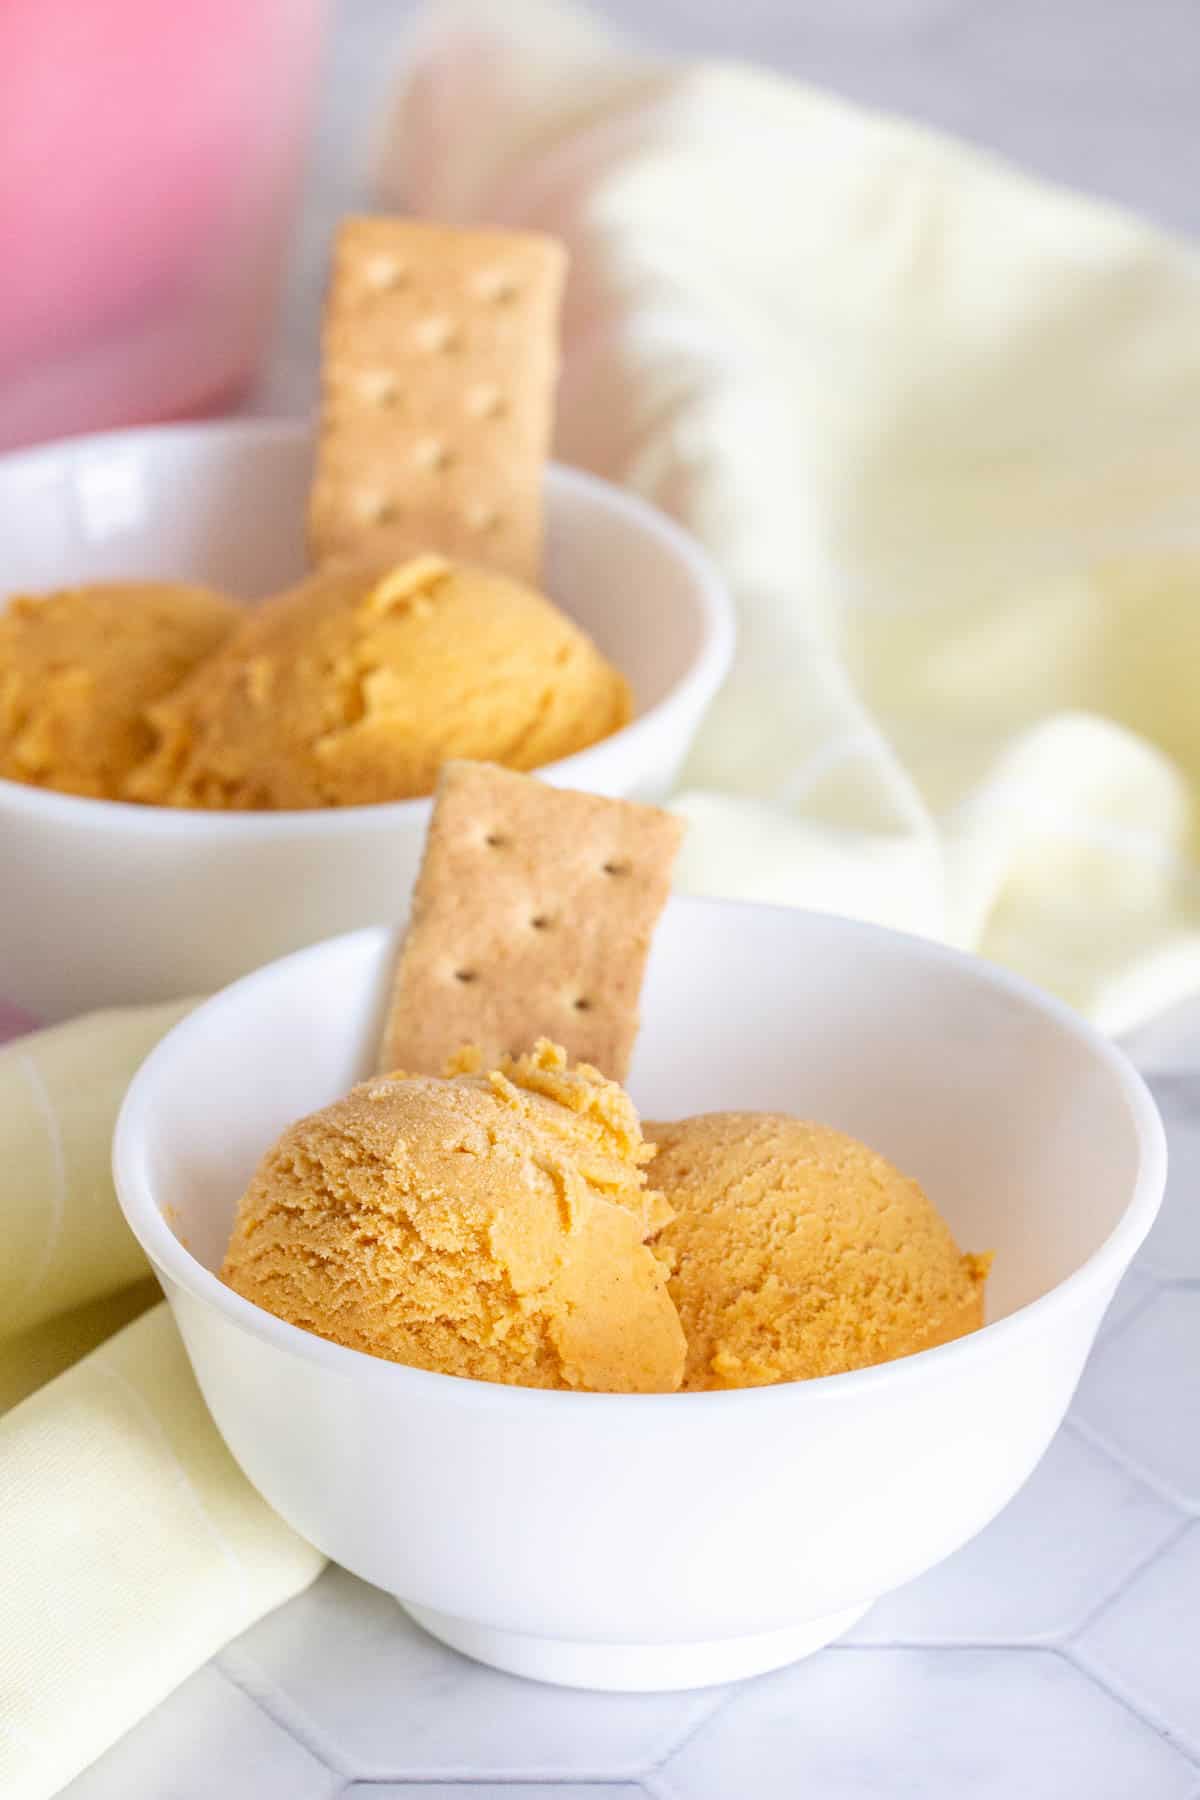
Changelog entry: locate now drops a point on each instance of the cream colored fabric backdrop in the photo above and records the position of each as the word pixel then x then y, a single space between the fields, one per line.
pixel 941 428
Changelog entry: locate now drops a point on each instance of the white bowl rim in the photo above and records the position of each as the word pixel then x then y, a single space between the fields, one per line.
pixel 704 676
pixel 1106 1263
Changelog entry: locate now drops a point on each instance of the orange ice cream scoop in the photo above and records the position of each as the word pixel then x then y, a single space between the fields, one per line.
pixel 79 667
pixel 487 1225
pixel 795 1251
pixel 357 685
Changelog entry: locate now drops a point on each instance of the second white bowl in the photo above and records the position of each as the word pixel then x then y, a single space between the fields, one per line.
pixel 103 903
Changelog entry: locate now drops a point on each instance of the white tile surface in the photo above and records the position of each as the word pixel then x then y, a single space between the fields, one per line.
pixel 491 1790
pixel 206 1740
pixel 1133 1292
pixel 882 1724
pixel 1141 1392
pixel 346 1667
pixel 1147 1643
pixel 1064 1545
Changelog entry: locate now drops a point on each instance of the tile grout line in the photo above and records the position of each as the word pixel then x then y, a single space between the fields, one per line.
pixel 656 1784
pixel 721 1700
pixel 1068 1652
pixel 944 1646
pixel 460 1776
pixel 1163 1490
pixel 282 1714
pixel 1168 1543
pixel 469 1782
pixel 1171 1284
pixel 1101 1677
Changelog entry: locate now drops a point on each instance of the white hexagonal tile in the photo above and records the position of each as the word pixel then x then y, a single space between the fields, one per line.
pixel 346 1668
pixel 207 1741
pixel 491 1790
pixel 1140 1393
pixel 1069 1538
pixel 869 1724
pixel 1172 1250
pixel 1148 1640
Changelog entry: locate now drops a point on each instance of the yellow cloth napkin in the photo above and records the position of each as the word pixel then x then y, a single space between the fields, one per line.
pixel 65 1243
pixel 941 428
pixel 131 1546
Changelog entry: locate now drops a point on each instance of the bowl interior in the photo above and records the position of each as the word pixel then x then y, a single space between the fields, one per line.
pixel 225 503
pixel 1024 1127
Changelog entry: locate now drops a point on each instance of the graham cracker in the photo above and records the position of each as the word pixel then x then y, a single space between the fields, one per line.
pixel 439 362
pixel 532 917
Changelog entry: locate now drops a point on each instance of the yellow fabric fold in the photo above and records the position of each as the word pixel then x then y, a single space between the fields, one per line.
pixel 65 1242
pixel 131 1549
pixel 34 1357
pixel 131 1546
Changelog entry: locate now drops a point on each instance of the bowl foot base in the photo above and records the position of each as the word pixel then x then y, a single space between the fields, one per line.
pixel 634 1668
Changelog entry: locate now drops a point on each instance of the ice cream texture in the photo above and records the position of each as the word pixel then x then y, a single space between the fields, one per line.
pixel 515 1226
pixel 490 1225
pixel 79 667
pixel 795 1251
pixel 358 684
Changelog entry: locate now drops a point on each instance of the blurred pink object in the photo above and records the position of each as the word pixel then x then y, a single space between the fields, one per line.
pixel 14 1021
pixel 151 156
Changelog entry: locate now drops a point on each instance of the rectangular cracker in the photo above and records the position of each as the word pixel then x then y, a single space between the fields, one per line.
pixel 532 917
pixel 439 362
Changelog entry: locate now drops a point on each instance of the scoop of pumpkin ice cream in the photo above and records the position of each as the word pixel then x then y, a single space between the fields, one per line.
pixel 796 1251
pixel 357 685
pixel 79 667
pixel 487 1225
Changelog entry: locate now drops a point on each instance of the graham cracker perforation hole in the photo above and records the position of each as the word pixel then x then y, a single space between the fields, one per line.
pixel 438 335
pixel 496 286
pixel 432 454
pixel 486 402
pixel 377 509
pixel 386 274
pixel 379 387
pixel 482 518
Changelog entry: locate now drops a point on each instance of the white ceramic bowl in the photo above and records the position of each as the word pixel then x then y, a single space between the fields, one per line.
pixel 656 1541
pixel 102 902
